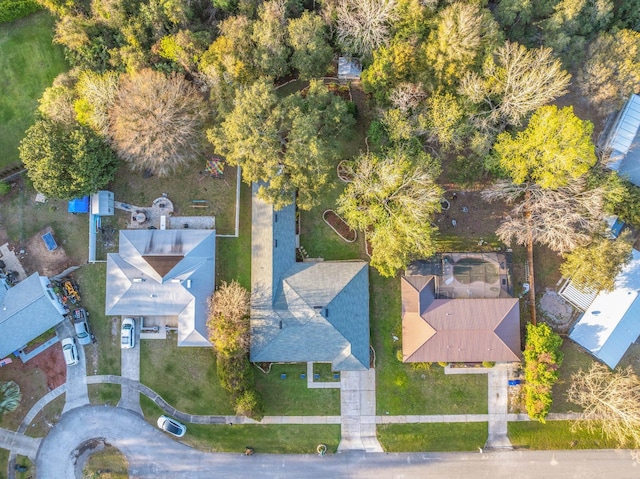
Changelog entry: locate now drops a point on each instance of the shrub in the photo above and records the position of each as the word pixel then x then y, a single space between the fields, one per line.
pixel 444 364
pixel 421 366
pixel 235 374
pixel 10 396
pixel 399 355
pixel 249 403
pixel 488 364
pixel 11 10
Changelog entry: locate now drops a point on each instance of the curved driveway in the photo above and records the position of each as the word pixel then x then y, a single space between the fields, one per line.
pixel 152 454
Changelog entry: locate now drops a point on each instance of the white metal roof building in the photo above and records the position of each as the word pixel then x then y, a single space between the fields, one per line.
pixel 164 273
pixel 622 144
pixel 612 321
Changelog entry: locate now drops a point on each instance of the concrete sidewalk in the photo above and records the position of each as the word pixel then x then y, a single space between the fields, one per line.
pixel 358 411
pixel 19 443
pixel 498 399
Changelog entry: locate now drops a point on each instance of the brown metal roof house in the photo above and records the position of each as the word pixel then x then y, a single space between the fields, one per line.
pixel 456 330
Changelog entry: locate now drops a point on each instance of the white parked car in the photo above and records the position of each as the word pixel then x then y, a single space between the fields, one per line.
pixel 128 333
pixel 70 351
pixel 171 426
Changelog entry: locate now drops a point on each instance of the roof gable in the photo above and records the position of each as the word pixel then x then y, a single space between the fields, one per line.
pixel 457 330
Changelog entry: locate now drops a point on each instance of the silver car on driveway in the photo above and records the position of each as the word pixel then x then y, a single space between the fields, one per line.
pixel 128 333
pixel 81 326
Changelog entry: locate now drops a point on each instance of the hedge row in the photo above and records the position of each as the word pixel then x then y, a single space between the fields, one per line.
pixel 11 10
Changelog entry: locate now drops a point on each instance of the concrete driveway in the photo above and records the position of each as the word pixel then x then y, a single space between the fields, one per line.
pixel 152 454
pixel 77 394
pixel 130 367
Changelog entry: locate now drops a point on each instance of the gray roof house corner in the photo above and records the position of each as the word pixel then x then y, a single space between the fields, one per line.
pixel 611 323
pixel 27 310
pixel 622 144
pixel 164 273
pixel 302 312
pixel 456 330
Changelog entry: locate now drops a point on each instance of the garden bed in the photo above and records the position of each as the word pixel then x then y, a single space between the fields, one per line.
pixel 340 226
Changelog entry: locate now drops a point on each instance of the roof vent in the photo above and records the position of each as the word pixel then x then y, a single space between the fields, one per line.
pixel 188 284
pixel 138 280
pixel 280 324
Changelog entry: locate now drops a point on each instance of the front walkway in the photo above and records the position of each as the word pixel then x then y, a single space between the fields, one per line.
pixel 358 411
pixel 498 406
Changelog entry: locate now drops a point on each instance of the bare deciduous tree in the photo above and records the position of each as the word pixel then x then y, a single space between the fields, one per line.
pixel 156 122
pixel 561 219
pixel 363 25
pixel 610 402
pixel 229 319
pixel 514 83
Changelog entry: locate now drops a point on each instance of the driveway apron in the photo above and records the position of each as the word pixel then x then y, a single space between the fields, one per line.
pixel 498 402
pixel 76 385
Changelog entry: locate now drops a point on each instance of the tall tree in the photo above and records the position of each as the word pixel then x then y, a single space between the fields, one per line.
pixel 156 122
pixel 610 401
pixel 312 53
pixel 96 92
pixel 229 320
pixel 464 35
pixel 612 70
pixel 561 219
pixel 514 82
pixel 66 162
pixel 271 54
pixel 289 144
pixel 393 198
pixel 10 396
pixel 595 266
pixel 542 358
pixel 364 25
pixel 554 148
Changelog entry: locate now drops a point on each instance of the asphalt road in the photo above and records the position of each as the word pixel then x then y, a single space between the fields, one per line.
pixel 153 454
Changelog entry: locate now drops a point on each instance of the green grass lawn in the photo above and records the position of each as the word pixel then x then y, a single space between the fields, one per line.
pixel 291 397
pixel 106 464
pixel 274 439
pixel 575 359
pixel 185 377
pixel 435 437
pixel 400 389
pixel 104 356
pixel 233 256
pixel 29 61
pixel 188 183
pixel 104 394
pixel 554 435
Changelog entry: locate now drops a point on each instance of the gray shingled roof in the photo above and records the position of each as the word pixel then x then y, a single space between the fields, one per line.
pixel 308 311
pixel 139 283
pixel 28 309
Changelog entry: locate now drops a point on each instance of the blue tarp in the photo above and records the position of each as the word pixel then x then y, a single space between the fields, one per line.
pixel 79 205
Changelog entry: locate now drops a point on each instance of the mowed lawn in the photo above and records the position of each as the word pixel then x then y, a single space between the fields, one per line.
pixel 29 62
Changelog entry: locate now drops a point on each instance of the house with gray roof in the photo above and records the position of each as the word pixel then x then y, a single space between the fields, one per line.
pixel 304 311
pixel 622 144
pixel 29 309
pixel 168 273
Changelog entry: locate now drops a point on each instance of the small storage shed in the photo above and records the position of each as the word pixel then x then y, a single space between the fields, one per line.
pixel 102 203
pixel 622 142
pixel 349 68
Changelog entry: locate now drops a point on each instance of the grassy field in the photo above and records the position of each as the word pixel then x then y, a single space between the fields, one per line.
pixel 432 437
pixel 100 394
pixel 400 389
pixel 104 356
pixel 185 377
pixel 291 396
pixel 29 61
pixel 233 256
pixel 106 464
pixel 187 184
pixel 575 359
pixel 294 439
pixel 554 435
pixel 41 424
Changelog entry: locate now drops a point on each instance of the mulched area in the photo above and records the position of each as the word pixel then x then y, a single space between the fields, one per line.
pixel 339 226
